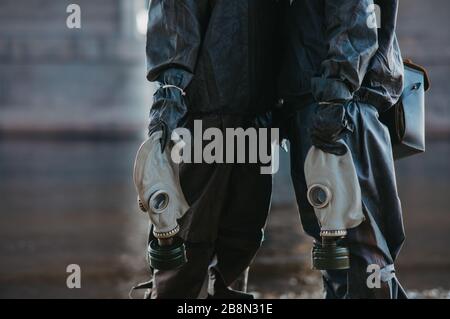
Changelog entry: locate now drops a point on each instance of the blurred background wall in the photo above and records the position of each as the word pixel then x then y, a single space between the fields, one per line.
pixel 56 79
pixel 73 110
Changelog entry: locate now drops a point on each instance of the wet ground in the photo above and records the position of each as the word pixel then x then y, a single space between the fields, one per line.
pixel 72 202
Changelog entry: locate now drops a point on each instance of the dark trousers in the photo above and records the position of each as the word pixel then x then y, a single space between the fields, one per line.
pixel 223 229
pixel 371 242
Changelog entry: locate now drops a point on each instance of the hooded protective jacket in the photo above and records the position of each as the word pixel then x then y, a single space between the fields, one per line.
pixel 332 54
pixel 228 63
pixel 338 67
pixel 215 61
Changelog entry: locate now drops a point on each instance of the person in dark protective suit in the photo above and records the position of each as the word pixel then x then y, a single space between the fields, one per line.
pixel 214 61
pixel 339 73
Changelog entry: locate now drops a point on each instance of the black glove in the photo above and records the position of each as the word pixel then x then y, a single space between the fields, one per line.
pixel 169 107
pixel 327 127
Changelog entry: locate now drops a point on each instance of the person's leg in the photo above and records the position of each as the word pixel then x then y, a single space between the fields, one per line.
pixel 204 186
pixel 361 286
pixel 365 242
pixel 241 229
pixel 241 226
pixel 377 241
pixel 186 282
pixel 334 282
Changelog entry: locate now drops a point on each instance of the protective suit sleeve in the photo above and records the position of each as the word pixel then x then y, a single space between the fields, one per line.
pixel 352 44
pixel 174 35
pixel 168 109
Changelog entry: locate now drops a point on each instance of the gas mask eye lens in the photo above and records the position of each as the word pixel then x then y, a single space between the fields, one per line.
pixel 159 201
pixel 319 196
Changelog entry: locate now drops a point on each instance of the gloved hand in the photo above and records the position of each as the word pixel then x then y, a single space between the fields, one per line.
pixel 327 127
pixel 168 107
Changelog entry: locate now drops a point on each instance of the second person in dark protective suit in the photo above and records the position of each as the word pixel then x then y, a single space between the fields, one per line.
pixel 339 72
pixel 214 61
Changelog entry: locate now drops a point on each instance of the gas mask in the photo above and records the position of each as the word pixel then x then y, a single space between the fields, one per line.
pixel 335 195
pixel 160 195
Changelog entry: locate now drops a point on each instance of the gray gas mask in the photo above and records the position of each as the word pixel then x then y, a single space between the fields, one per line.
pixel 335 194
pixel 157 183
